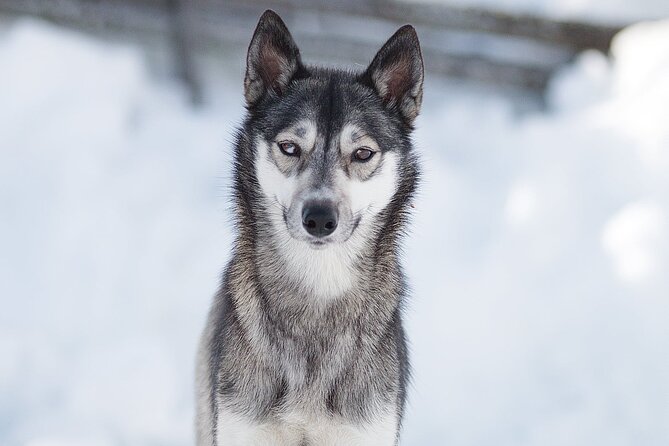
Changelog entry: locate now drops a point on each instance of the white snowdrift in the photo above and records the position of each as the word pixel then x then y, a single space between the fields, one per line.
pixel 112 237
pixel 545 246
pixel 540 310
pixel 603 11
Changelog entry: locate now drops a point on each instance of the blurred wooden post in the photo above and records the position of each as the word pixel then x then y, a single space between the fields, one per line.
pixel 182 41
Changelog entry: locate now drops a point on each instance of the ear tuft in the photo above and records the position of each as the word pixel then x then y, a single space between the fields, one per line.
pixel 396 73
pixel 272 60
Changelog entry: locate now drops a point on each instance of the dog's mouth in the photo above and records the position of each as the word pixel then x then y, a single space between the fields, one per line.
pixel 319 244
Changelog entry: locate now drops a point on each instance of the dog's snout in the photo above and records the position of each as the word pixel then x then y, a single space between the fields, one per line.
pixel 319 219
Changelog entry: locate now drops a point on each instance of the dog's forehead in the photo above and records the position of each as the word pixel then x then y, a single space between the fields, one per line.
pixel 342 103
pixel 333 103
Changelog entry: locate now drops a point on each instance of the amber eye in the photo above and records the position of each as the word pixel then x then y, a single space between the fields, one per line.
pixel 289 148
pixel 362 154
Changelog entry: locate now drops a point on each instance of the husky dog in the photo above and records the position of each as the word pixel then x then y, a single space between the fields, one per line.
pixel 304 343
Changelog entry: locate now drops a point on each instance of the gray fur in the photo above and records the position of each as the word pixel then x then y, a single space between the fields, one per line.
pixel 271 346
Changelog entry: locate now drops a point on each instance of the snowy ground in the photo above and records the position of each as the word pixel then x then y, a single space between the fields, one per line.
pixel 540 312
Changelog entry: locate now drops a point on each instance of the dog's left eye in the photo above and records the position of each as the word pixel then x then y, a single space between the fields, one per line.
pixel 363 154
pixel 289 148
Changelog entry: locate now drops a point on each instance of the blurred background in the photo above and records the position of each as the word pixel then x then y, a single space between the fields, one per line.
pixel 539 253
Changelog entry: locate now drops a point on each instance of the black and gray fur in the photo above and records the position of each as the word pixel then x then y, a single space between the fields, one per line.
pixel 274 353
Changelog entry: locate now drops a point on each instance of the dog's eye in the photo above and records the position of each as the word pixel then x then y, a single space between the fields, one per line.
pixel 289 148
pixel 363 154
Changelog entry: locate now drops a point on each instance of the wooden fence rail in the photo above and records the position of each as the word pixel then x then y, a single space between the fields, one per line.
pixel 503 49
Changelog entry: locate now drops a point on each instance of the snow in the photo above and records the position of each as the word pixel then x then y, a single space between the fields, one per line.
pixel 604 11
pixel 540 306
pixel 545 239
pixel 632 236
pixel 112 237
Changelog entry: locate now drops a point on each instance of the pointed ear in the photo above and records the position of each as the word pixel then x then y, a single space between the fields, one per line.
pixel 396 73
pixel 272 60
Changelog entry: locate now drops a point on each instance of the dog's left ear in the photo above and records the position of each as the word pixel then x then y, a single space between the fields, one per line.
pixel 396 73
pixel 272 60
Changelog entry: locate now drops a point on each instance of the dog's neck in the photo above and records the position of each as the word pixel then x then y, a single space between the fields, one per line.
pixel 316 275
pixel 353 281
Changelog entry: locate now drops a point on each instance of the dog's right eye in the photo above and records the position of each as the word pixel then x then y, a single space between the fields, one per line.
pixel 289 148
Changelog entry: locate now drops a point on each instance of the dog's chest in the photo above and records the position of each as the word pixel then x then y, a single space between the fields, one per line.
pixel 310 365
pixel 310 398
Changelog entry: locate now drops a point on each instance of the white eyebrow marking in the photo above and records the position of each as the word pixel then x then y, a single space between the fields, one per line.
pixel 353 137
pixel 303 133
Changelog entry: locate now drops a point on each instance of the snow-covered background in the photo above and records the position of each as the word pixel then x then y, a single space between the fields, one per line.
pixel 605 11
pixel 538 260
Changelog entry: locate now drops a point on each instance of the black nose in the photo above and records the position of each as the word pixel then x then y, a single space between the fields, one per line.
pixel 319 219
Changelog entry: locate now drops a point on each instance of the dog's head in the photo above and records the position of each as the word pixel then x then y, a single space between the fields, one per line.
pixel 330 148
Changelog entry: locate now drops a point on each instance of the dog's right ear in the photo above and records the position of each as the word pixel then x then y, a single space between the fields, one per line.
pixel 272 60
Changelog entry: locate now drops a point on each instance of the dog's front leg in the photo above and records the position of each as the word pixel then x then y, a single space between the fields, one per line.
pixel 236 430
pixel 379 432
